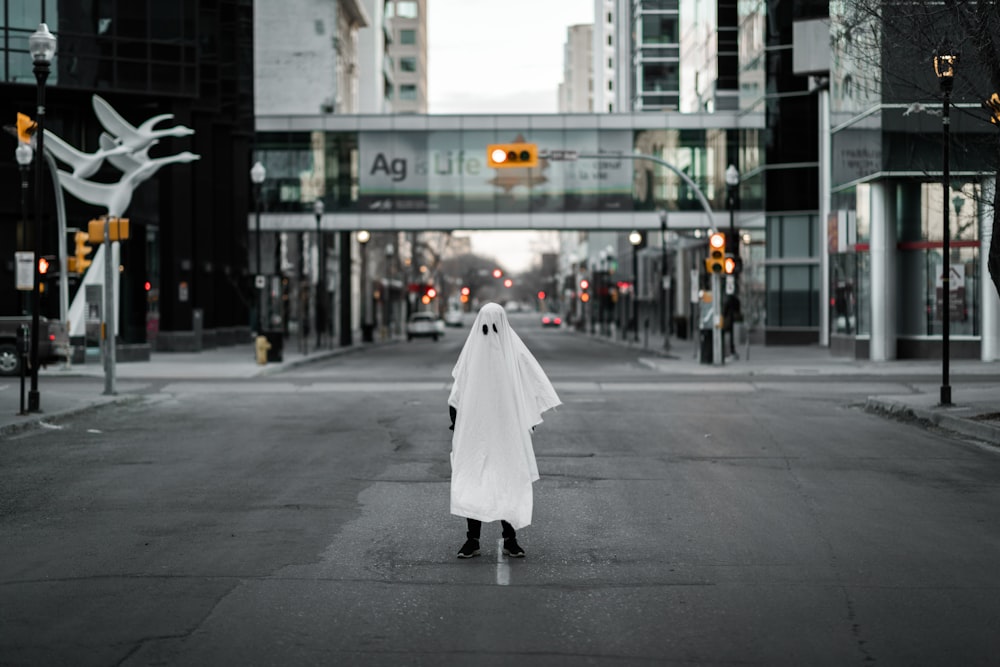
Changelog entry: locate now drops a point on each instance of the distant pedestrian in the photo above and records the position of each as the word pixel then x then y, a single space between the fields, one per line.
pixel 498 397
pixel 730 314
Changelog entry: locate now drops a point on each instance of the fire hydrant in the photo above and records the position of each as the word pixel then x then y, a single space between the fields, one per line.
pixel 261 345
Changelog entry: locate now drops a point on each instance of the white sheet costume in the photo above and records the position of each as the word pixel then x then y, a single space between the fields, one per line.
pixel 500 393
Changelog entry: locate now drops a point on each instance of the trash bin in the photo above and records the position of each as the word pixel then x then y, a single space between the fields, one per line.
pixel 705 354
pixel 275 338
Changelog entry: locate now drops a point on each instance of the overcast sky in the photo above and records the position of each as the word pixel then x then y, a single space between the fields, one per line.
pixel 500 56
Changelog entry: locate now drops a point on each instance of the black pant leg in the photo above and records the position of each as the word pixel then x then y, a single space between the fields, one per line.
pixel 508 530
pixel 475 526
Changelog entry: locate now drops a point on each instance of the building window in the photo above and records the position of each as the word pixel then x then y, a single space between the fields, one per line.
pixel 408 91
pixel 408 64
pixel 657 29
pixel 611 85
pixel 406 9
pixel 407 36
pixel 609 40
pixel 611 63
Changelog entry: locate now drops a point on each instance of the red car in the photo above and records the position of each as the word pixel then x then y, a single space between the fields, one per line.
pixel 551 320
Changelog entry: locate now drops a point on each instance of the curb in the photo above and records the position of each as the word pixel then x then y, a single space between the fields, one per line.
pixel 967 426
pixel 35 421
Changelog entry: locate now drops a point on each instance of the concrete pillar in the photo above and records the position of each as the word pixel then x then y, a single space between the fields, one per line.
pixel 990 322
pixel 825 177
pixel 883 273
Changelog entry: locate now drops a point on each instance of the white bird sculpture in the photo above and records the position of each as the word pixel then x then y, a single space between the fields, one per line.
pixel 130 136
pixel 84 164
pixel 117 196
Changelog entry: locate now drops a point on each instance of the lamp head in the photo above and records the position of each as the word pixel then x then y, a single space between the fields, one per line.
pixel 318 207
pixel 258 173
pixel 732 176
pixel 42 45
pixel 23 153
pixel 635 237
pixel 945 61
pixel 364 236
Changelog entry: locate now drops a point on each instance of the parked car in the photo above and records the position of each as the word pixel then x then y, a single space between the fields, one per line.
pixel 424 324
pixel 53 342
pixel 551 320
pixel 453 318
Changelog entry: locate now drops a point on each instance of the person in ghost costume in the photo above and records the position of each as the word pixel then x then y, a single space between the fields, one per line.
pixel 498 397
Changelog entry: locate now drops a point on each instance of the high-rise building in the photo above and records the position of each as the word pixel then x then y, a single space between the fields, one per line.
pixel 184 273
pixel 576 90
pixel 375 65
pixel 306 56
pixel 408 54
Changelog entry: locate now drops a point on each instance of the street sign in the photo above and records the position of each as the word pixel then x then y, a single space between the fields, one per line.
pixel 560 155
pixel 25 273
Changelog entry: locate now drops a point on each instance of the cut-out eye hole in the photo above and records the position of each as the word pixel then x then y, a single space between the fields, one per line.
pixel 486 330
pixel 495 329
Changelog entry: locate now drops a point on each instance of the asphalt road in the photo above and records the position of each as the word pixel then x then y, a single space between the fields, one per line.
pixel 303 519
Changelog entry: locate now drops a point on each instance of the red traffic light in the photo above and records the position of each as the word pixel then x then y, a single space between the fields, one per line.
pixel 431 292
pixel 466 291
pixel 508 283
pixel 541 296
pixel 497 273
pixel 584 284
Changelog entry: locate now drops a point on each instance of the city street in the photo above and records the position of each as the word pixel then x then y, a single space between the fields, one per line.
pixel 302 518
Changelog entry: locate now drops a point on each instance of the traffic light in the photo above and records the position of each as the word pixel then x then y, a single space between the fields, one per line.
pixel 541 295
pixel 992 106
pixel 25 128
pixel 734 265
pixel 79 262
pixel 584 286
pixel 44 264
pixel 501 156
pixel 715 262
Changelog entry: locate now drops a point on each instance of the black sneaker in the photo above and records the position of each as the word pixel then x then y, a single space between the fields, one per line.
pixel 512 548
pixel 469 549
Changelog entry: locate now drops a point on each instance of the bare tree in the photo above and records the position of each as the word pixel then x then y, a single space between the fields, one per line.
pixel 895 41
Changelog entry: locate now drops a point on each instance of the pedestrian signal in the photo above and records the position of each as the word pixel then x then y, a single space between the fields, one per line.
pixel 25 128
pixel 43 265
pixel 715 262
pixel 501 156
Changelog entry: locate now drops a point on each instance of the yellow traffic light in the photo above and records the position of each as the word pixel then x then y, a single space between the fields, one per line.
pixel 79 262
pixel 25 128
pixel 501 156
pixel 715 262
pixel 992 105
pixel 118 229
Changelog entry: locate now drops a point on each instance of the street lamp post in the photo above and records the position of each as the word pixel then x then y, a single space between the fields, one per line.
pixel 42 45
pixel 364 236
pixel 944 67
pixel 732 188
pixel 257 175
pixel 635 238
pixel 390 254
pixel 318 209
pixel 23 154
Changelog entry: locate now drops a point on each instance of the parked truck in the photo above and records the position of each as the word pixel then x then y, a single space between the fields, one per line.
pixel 53 342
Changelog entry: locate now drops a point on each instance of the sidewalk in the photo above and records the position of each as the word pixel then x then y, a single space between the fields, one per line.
pixel 975 409
pixel 62 399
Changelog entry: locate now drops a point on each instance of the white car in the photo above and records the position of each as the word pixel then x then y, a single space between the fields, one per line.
pixel 453 318
pixel 424 324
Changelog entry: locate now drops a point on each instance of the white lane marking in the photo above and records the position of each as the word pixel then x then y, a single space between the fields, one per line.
pixel 503 568
pixel 54 427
